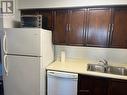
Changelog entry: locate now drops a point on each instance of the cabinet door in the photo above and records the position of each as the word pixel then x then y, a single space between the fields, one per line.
pixel 76 29
pixel 100 86
pixel 99 20
pixel 118 87
pixel 47 20
pixel 90 85
pixel 60 27
pixel 84 85
pixel 119 35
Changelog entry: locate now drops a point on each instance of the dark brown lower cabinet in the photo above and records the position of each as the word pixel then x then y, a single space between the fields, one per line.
pixel 117 87
pixel 91 85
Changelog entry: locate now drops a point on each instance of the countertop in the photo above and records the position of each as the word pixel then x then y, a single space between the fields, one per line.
pixel 80 66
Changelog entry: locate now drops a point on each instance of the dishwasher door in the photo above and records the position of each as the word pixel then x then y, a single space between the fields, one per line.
pixel 61 83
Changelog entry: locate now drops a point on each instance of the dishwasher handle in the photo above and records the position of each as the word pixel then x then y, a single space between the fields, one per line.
pixel 62 74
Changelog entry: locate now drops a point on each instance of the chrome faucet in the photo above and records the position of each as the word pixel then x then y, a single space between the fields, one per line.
pixel 104 62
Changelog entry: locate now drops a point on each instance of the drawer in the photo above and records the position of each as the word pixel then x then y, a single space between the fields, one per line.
pixel 84 92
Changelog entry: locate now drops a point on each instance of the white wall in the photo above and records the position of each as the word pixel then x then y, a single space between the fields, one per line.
pixel 93 54
pixel 17 14
pixel 10 20
pixel 1 21
pixel 6 21
pixel 66 3
pixel 1 18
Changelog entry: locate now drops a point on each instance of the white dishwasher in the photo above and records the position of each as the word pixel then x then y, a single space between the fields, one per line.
pixel 61 83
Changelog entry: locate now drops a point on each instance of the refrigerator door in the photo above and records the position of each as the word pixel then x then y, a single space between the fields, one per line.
pixel 23 75
pixel 24 41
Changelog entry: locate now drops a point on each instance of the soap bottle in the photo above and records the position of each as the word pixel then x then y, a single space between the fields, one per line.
pixel 62 57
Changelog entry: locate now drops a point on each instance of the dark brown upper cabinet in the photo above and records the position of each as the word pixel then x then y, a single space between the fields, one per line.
pixel 98 26
pixel 29 12
pixel 119 34
pixel 47 19
pixel 76 30
pixel 60 27
pixel 92 27
pixel 69 27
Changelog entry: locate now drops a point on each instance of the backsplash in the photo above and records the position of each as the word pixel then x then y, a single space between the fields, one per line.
pixel 93 54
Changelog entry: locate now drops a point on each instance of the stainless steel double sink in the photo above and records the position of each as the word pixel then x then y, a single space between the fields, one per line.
pixel 107 69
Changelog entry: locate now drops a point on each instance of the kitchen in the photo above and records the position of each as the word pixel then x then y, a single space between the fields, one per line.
pixel 90 54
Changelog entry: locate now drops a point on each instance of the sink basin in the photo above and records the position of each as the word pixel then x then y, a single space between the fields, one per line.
pixel 117 70
pixel 107 69
pixel 96 67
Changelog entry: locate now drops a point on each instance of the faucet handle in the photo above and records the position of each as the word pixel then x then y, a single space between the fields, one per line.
pixel 104 61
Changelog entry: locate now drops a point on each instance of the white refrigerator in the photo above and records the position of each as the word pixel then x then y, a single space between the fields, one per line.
pixel 25 54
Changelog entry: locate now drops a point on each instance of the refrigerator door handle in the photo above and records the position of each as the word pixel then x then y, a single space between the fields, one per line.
pixel 4 44
pixel 5 65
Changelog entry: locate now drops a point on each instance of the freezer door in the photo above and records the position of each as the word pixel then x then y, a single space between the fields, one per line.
pixel 23 76
pixel 24 41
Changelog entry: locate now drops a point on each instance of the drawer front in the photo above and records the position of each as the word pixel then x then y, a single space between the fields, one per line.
pixel 82 93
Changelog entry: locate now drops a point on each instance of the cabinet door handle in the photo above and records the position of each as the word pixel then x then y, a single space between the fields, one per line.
pixel 86 91
pixel 69 27
pixel 112 27
pixel 109 27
